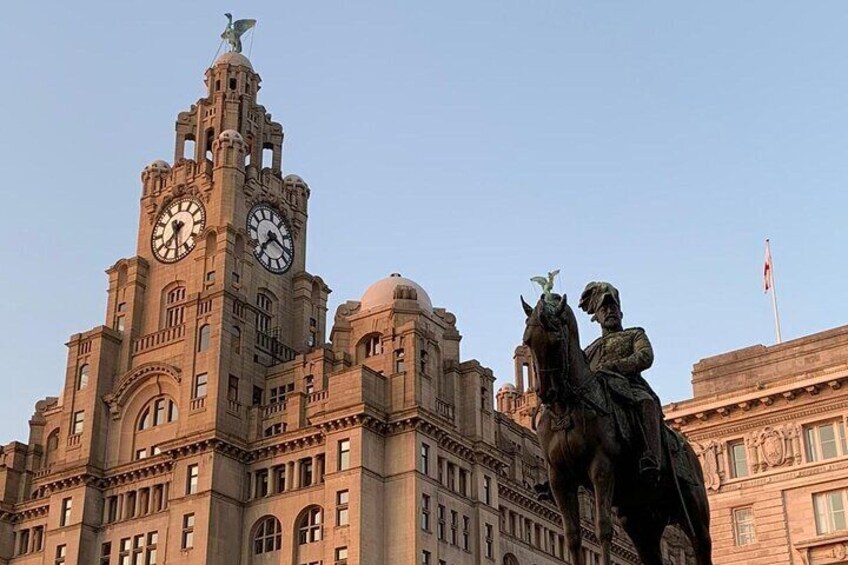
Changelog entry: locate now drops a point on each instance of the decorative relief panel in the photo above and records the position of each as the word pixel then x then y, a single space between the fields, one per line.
pixel 709 457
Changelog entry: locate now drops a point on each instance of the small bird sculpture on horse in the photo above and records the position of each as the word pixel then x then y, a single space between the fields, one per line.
pixel 601 427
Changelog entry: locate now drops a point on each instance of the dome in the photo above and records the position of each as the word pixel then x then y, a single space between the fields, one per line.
pixel 235 59
pixel 294 180
pixel 508 387
pixel 157 166
pixel 385 291
pixel 230 135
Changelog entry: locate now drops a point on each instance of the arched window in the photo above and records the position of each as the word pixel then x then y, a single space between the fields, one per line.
pixel 52 446
pixel 82 377
pixel 309 525
pixel 267 536
pixel 510 559
pixel 175 306
pixel 203 337
pixel 236 343
pixel 160 410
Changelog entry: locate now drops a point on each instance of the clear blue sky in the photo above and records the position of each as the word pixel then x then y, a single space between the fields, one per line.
pixel 468 145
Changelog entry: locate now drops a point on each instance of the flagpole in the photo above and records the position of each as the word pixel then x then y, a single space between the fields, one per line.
pixel 773 293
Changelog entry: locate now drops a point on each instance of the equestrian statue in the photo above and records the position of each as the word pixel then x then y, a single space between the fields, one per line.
pixel 601 427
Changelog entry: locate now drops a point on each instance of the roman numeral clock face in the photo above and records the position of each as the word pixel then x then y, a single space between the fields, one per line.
pixel 271 238
pixel 177 228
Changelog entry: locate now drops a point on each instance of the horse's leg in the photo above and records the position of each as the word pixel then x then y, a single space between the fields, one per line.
pixel 603 478
pixel 565 494
pixel 645 533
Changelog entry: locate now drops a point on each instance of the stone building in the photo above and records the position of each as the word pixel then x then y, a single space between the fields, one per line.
pixel 769 426
pixel 208 421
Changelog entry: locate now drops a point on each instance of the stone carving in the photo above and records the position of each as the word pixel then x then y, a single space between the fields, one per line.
pixel 772 444
pixel 709 463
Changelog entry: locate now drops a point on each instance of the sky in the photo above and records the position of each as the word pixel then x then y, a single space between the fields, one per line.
pixel 467 145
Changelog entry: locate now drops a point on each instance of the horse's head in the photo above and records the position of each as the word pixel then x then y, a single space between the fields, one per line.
pixel 546 334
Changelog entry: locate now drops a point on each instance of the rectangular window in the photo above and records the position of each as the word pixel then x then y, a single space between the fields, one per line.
pixel 192 475
pixel 490 542
pixel 65 513
pixel 825 441
pixel 105 553
pixel 487 490
pixel 124 552
pixel 451 476
pixel 78 422
pixel 440 470
pixel 200 382
pixel 137 549
pixel 341 556
pixel 308 384
pixel 281 478
pixel 423 361
pixel 463 482
pixel 342 505
pixel 738 459
pixel 261 484
pixel 233 389
pixel 743 526
pixel 373 346
pixel 187 541
pixel 400 362
pixel 61 554
pixel 425 512
pixel 830 511
pixel 425 459
pixel 141 453
pixel 38 538
pixel 440 524
pixel 344 454
pixel 466 533
pixel 150 554
pixel 425 558
pixel 454 527
pixel 23 542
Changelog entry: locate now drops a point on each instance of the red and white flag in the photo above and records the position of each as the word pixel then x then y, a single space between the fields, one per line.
pixel 768 271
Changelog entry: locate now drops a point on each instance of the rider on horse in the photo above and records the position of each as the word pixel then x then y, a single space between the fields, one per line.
pixel 620 355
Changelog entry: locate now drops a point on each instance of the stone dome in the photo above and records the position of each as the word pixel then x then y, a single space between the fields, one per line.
pixel 230 135
pixel 235 59
pixel 385 291
pixel 157 166
pixel 294 180
pixel 508 387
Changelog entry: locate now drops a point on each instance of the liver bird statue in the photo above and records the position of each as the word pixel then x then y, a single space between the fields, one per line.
pixel 547 283
pixel 235 29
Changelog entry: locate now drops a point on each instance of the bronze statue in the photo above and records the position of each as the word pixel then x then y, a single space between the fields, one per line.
pixel 234 30
pixel 586 427
pixel 620 356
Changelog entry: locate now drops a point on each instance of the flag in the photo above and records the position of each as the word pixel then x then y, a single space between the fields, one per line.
pixel 768 273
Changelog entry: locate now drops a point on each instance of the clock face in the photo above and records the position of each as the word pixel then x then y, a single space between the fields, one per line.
pixel 271 238
pixel 177 228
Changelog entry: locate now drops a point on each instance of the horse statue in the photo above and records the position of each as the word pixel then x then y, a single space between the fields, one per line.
pixel 583 445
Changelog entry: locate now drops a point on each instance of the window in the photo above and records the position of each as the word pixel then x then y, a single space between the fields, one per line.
pixel 341 556
pixel 200 382
pixel 203 337
pixel 264 306
pixel 373 346
pixel 743 526
pixel 825 441
pixel 425 558
pixel 344 454
pixel 161 410
pixel 830 511
pixel 124 552
pixel 77 425
pixel 65 513
pixel 466 533
pixel 490 542
pixel 23 542
pixel 425 512
pixel 236 340
pixel 38 538
pixel 400 364
pixel 440 470
pixel 260 486
pixel 137 549
pixel 306 472
pixel 187 541
pixel 425 458
pixel 61 554
pixel 192 475
pixel 342 504
pixel 232 389
pixel 105 553
pixel 309 384
pixel 150 551
pixel 738 459
pixel 82 378
pixel 258 392
pixel 454 527
pixel 423 361
pixel 309 527
pixel 483 396
pixel 268 536
pixel 463 482
pixel 175 311
pixel 440 524
pixel 119 323
pixel 487 490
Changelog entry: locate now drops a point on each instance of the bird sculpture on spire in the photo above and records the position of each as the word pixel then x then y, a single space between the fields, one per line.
pixel 547 283
pixel 234 30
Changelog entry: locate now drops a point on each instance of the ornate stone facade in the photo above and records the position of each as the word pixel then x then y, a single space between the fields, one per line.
pixel 208 421
pixel 769 426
